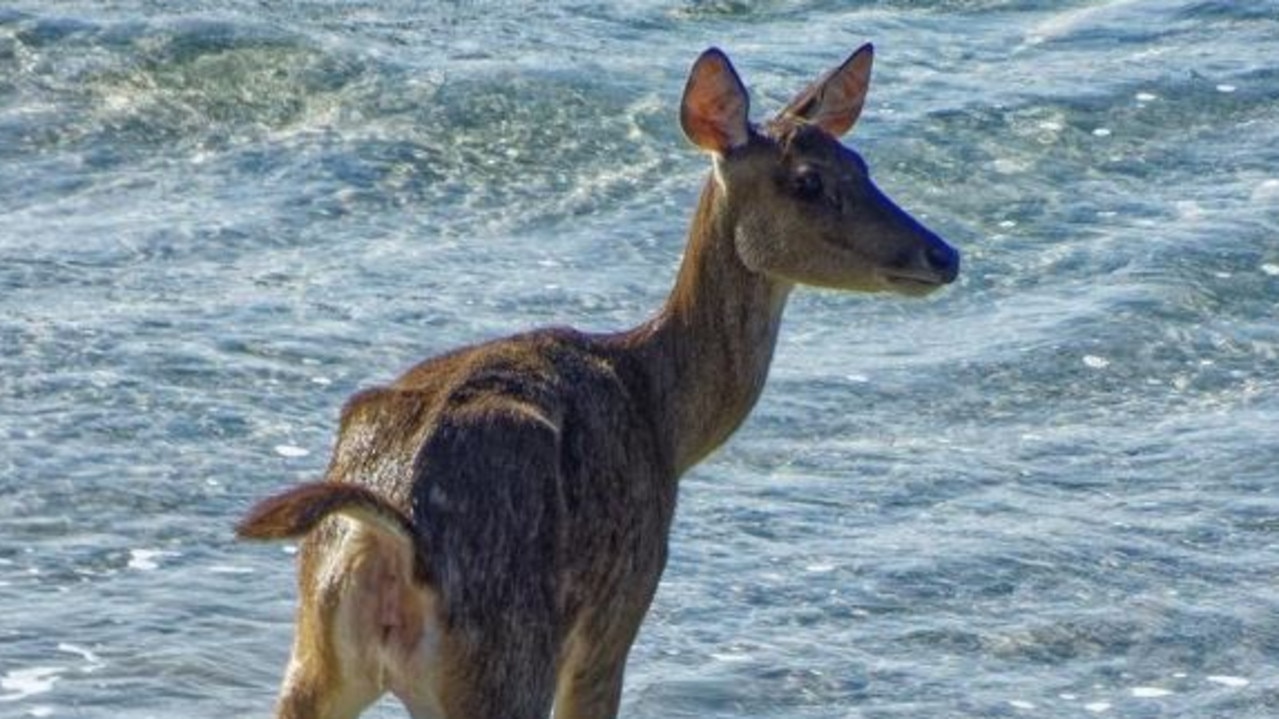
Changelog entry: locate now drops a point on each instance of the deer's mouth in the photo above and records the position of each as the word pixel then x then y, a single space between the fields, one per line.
pixel 912 284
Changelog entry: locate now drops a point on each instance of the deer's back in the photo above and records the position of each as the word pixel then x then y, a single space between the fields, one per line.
pixel 533 471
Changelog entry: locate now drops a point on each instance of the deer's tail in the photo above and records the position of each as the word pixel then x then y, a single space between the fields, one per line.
pixel 295 512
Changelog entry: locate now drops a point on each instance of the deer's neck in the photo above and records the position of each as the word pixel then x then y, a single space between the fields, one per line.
pixel 708 351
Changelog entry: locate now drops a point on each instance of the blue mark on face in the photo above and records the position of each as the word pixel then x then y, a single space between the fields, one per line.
pixel 932 254
pixel 938 256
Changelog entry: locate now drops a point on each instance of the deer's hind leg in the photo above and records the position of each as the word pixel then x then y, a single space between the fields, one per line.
pixel 316 684
pixel 590 690
pixel 485 677
pixel 362 627
pixel 494 515
pixel 590 680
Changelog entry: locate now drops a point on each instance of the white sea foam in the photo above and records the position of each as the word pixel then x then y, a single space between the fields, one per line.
pixel 1266 192
pixel 291 451
pixel 22 683
pixel 1229 681
pixel 1098 707
pixel 731 657
pixel 1188 210
pixel 1009 166
pixel 146 560
pixel 229 569
pixel 1095 362
pixel 87 654
pixel 1150 692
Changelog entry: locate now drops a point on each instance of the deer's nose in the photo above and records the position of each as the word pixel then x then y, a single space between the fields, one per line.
pixel 942 259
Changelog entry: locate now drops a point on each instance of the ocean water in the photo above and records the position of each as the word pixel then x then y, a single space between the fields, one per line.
pixel 1051 490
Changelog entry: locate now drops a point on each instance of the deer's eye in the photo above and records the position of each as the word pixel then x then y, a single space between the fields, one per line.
pixel 808 184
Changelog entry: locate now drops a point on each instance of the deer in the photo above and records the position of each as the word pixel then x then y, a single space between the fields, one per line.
pixel 492 525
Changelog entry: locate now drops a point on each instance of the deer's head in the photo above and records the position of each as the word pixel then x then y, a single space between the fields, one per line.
pixel 801 204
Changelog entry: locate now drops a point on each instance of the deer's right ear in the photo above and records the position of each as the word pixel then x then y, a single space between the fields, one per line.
pixel 714 113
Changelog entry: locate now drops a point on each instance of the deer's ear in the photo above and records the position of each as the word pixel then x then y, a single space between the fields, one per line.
pixel 715 109
pixel 834 102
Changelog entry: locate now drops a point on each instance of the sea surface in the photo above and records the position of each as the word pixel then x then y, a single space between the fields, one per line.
pixel 1050 490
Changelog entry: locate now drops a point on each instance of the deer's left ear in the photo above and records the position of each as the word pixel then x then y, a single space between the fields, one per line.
pixel 834 102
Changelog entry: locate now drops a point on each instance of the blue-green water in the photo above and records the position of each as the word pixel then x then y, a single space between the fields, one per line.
pixel 1050 491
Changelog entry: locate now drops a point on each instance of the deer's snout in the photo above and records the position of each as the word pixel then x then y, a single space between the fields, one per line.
pixel 929 264
pixel 922 261
pixel 940 259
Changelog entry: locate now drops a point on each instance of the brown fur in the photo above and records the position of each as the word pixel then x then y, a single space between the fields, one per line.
pixel 494 523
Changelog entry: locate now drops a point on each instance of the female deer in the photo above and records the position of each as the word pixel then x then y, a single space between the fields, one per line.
pixel 494 523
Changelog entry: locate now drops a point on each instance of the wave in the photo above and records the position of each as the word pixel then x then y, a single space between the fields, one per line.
pixel 244 100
